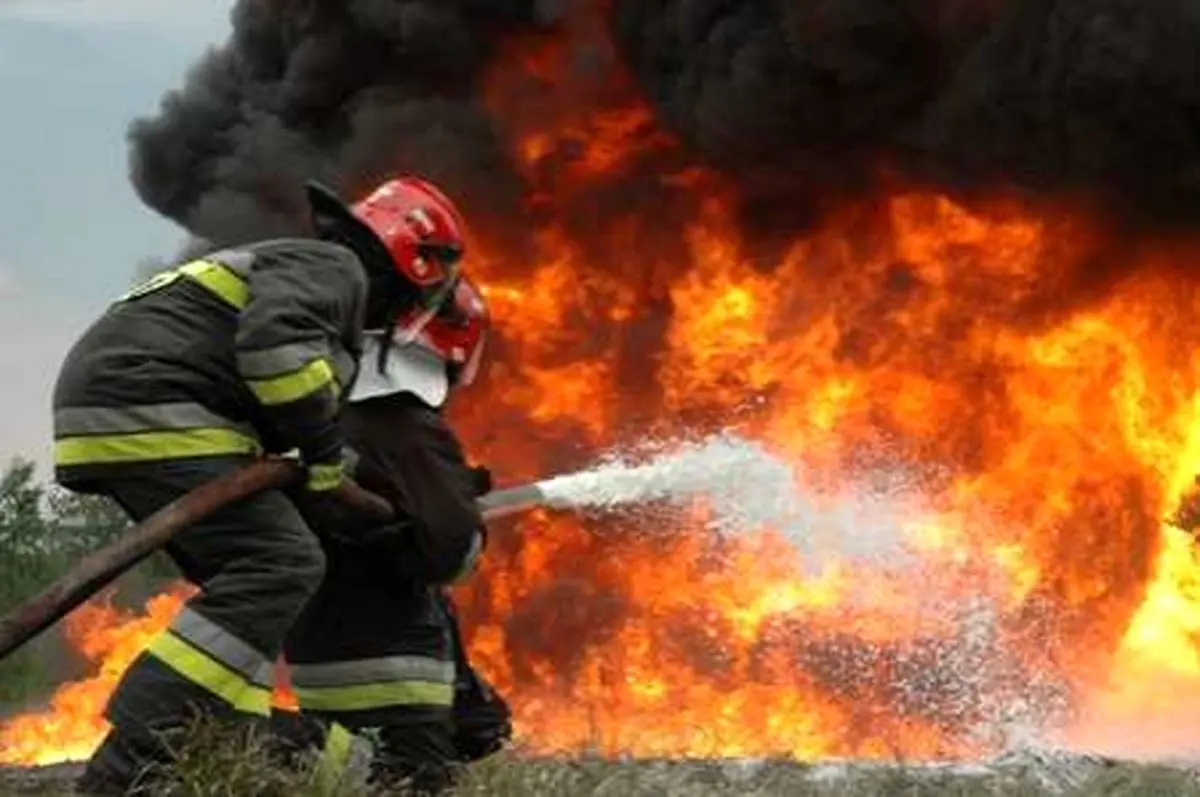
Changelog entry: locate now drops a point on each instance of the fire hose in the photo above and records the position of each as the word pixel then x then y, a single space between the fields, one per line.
pixel 101 567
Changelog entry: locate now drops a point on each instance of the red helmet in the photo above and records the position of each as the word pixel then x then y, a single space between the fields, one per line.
pixel 457 333
pixel 419 229
pixel 418 225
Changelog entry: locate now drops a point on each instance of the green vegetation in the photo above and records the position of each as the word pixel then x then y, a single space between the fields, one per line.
pixel 43 530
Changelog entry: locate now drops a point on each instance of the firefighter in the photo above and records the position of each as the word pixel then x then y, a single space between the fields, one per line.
pixel 378 649
pixel 198 371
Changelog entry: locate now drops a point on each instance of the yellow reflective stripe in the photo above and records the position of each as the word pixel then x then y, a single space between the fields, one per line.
pixel 334 760
pixel 324 477
pixel 220 280
pixel 197 667
pixel 298 384
pixel 368 696
pixel 217 278
pixel 148 446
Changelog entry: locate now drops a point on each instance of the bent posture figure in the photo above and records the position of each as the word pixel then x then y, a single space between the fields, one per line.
pixel 196 372
pixel 378 648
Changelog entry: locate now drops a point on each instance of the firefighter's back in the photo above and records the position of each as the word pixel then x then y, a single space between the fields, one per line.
pixel 156 376
pixel 171 345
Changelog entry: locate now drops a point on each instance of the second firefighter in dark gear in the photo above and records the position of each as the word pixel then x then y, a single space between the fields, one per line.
pixel 378 649
pixel 195 373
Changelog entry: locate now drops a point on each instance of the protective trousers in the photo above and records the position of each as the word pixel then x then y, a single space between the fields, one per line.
pixel 378 655
pixel 256 563
pixel 482 720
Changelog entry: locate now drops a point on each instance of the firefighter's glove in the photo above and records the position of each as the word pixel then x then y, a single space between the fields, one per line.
pixel 323 476
pixel 481 480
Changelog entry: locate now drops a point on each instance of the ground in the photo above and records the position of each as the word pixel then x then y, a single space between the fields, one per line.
pixel 1027 774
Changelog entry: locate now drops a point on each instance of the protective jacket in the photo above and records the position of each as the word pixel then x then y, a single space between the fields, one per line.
pixel 403 450
pixel 244 351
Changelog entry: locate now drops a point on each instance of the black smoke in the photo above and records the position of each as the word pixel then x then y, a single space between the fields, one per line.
pixel 804 102
pixel 1079 97
pixel 344 91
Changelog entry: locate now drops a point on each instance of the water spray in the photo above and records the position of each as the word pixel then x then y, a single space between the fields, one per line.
pixel 739 480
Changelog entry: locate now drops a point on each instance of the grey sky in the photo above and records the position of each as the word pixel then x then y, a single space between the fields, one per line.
pixel 73 74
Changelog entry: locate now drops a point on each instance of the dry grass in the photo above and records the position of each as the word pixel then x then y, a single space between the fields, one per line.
pixel 213 761
pixel 510 778
pixel 243 765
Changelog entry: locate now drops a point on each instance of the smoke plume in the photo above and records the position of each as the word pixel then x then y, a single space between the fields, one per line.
pixel 344 92
pixel 803 102
pixel 813 97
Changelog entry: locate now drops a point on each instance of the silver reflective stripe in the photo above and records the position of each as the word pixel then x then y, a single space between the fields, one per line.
pixel 223 646
pixel 70 421
pixel 372 671
pixel 265 363
pixel 238 261
pixel 265 676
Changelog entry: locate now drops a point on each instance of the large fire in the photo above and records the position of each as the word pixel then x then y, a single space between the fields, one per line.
pixel 1030 382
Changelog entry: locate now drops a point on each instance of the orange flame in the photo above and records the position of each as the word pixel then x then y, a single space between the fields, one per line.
pixel 1029 379
pixel 73 724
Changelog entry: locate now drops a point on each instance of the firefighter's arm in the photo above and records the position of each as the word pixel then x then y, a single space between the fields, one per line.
pixel 416 462
pixel 302 302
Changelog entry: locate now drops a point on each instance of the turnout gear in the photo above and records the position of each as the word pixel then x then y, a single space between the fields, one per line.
pixel 482 721
pixel 195 372
pixel 374 649
pixel 242 352
pixel 378 648
pixel 258 564
pixel 190 375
